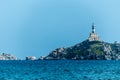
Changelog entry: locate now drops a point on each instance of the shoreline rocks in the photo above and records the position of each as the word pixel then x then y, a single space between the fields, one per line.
pixel 31 58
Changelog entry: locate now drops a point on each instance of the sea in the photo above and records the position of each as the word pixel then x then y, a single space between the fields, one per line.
pixel 60 70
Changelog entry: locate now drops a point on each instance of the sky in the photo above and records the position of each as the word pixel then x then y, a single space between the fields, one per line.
pixel 36 27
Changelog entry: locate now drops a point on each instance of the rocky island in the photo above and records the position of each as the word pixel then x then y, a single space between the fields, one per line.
pixel 5 56
pixel 92 48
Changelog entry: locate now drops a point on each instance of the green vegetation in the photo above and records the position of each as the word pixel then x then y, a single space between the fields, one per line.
pixel 97 48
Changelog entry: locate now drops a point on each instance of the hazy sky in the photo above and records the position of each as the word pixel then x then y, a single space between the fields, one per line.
pixel 36 27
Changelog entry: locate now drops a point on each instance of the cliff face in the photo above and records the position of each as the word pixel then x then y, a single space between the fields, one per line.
pixel 88 50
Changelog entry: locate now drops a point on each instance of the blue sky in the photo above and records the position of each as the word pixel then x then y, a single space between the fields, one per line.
pixel 36 27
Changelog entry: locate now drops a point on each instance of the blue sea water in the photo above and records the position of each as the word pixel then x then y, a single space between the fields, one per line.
pixel 60 70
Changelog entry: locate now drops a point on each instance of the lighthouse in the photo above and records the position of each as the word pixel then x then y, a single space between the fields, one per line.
pixel 93 35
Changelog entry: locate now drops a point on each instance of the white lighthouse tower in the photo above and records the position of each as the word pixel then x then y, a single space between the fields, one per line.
pixel 93 35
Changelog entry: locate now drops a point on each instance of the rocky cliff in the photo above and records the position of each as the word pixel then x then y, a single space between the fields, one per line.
pixel 88 50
